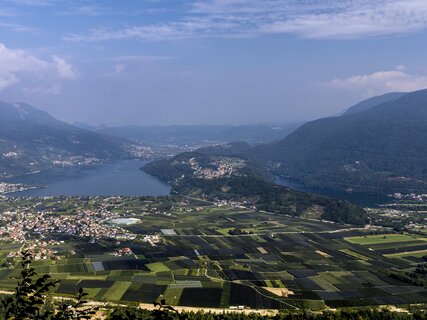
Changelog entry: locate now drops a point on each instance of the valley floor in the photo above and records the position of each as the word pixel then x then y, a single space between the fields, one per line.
pixel 198 254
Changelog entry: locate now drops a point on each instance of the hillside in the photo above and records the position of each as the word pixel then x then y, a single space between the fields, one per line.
pixel 236 176
pixel 372 102
pixel 32 140
pixel 382 149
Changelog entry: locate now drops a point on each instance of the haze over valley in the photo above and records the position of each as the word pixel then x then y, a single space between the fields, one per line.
pixel 213 160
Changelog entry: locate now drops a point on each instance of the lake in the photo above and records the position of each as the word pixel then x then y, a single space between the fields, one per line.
pixel 122 178
pixel 361 199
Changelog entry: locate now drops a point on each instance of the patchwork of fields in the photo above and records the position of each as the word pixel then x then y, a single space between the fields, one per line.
pixel 274 262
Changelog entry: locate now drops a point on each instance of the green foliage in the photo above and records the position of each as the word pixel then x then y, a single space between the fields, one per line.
pixel 359 314
pixel 162 311
pixel 75 310
pixel 417 277
pixel 29 301
pixel 267 196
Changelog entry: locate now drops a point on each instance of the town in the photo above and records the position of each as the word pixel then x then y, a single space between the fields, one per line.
pixel 20 226
pixel 13 187
pixel 219 168
pixel 421 198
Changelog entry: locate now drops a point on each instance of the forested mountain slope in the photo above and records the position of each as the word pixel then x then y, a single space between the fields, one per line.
pixel 381 149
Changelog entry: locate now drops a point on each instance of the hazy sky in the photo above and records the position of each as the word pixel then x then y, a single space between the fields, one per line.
pixel 206 62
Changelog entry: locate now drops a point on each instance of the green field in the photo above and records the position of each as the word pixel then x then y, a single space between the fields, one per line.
pixel 408 248
pixel 303 263
pixel 384 238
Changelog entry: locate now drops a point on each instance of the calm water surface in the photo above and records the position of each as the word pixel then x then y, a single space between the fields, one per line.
pixel 361 199
pixel 124 178
pixel 121 178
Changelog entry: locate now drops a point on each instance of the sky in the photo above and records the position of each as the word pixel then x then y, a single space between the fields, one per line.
pixel 161 62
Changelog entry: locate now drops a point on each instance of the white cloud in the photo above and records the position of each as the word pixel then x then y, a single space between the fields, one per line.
pixel 64 69
pixel 19 28
pixel 16 65
pixel 118 68
pixel 150 32
pixel 87 10
pixel 306 18
pixel 7 79
pixel 381 82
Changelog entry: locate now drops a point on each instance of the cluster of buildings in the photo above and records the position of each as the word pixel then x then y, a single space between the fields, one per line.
pixel 10 154
pixel 12 187
pixel 21 225
pixel 123 252
pixel 235 204
pixel 152 239
pixel 140 152
pixel 64 162
pixel 39 249
pixel 411 197
pixel 217 169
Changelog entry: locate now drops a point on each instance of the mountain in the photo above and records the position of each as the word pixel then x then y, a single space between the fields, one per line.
pixel 381 149
pixel 256 133
pixel 83 125
pixel 230 173
pixel 372 102
pixel 32 140
pixel 197 134
pixel 217 161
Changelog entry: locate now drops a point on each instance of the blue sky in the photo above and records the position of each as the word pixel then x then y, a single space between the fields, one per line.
pixel 208 62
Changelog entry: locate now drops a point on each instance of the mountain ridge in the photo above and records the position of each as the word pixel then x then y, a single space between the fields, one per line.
pixel 190 134
pixel 33 140
pixel 372 102
pixel 380 149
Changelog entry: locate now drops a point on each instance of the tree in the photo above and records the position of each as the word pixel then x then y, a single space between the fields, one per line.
pixel 31 301
pixel 75 310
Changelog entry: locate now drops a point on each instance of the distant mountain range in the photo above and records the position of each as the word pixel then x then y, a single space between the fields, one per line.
pixel 32 140
pixel 198 134
pixel 378 145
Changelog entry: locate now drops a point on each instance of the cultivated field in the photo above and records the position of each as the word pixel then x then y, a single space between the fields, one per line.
pixel 219 256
